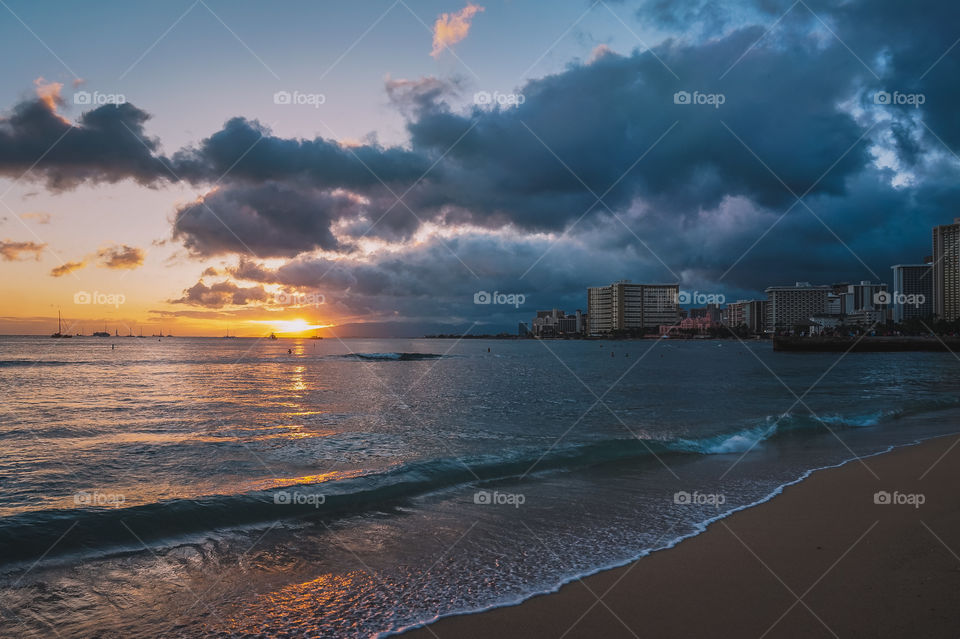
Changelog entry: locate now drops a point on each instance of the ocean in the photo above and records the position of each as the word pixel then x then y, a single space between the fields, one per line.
pixel 191 487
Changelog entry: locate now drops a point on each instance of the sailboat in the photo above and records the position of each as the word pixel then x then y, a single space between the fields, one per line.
pixel 141 333
pixel 228 335
pixel 102 333
pixel 59 334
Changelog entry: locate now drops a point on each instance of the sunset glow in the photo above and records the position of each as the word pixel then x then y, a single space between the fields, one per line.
pixel 291 327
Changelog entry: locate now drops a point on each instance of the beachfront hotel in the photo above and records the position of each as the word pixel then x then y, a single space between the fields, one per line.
pixel 946 271
pixel 788 306
pixel 625 306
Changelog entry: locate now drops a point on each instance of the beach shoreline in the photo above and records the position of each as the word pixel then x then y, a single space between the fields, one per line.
pixel 819 558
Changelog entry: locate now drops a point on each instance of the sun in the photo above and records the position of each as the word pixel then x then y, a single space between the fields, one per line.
pixel 292 326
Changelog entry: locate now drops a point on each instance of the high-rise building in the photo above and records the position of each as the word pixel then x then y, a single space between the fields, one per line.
pixel 749 313
pixel 755 315
pixel 625 306
pixel 789 306
pixel 946 271
pixel 912 295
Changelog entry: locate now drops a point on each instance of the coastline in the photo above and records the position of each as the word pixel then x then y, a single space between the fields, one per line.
pixel 817 558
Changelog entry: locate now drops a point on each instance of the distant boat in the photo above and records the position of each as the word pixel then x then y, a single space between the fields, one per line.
pixel 59 334
pixel 228 335
pixel 102 333
pixel 141 333
pixel 316 336
pixel 273 336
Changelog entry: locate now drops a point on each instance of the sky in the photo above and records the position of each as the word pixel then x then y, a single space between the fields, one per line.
pixel 384 167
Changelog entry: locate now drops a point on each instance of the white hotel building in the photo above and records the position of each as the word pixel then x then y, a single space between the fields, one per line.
pixel 625 306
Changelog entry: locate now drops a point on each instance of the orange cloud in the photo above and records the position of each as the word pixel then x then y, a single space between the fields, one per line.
pixel 49 92
pixel 11 251
pixel 451 28
pixel 41 218
pixel 67 267
pixel 120 257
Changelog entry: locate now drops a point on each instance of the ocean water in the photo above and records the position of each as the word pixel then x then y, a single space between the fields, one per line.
pixel 228 488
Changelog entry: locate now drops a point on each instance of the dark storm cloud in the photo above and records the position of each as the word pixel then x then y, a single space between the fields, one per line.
pixel 244 150
pixel 906 47
pixel 541 166
pixel 106 144
pixel 264 220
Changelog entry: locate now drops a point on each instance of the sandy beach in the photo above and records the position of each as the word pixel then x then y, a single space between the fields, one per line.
pixel 823 559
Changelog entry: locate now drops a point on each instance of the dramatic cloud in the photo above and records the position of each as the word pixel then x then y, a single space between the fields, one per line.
pixel 106 144
pixel 120 257
pixel 267 220
pixel 451 28
pixel 245 150
pixel 12 251
pixel 67 268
